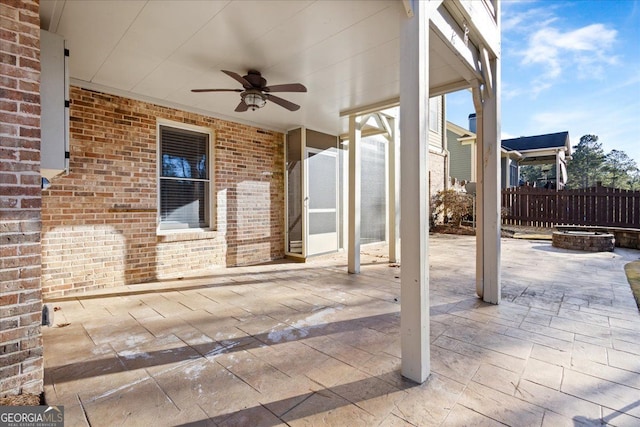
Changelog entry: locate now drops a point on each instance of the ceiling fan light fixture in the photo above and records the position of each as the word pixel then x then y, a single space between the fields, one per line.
pixel 255 93
pixel 254 100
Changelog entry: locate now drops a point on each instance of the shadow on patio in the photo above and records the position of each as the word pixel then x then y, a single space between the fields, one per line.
pixel 308 344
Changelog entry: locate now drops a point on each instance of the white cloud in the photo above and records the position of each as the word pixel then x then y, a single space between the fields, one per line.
pixel 514 20
pixel 554 51
pixel 585 49
pixel 593 37
pixel 563 73
pixel 506 135
pixel 539 85
pixel 510 91
pixel 557 121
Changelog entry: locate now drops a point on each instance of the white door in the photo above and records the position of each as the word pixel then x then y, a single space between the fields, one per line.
pixel 322 200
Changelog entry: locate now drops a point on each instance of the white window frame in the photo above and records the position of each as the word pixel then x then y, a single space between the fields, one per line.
pixel 210 212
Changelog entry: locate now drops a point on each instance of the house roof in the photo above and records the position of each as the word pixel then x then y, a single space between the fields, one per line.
pixel 459 130
pixel 538 142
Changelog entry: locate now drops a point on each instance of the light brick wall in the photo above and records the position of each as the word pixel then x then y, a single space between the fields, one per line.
pixel 437 147
pixel 99 222
pixel 20 296
pixel 437 171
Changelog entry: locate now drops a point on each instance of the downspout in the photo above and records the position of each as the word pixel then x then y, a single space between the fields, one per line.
pixel 447 178
pixel 445 144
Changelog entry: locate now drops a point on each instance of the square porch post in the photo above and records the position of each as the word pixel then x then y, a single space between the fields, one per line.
pixel 414 113
pixel 393 182
pixel 354 195
pixel 486 100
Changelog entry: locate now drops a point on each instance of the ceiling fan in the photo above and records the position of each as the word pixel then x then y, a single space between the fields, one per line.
pixel 256 92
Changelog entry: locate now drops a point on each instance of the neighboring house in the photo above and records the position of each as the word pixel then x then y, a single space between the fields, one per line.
pixel 549 149
pixel 461 144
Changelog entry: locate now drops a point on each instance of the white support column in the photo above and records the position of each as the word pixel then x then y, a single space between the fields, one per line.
pixel 394 192
pixel 477 102
pixel 491 162
pixel 506 172
pixel 414 128
pixel 354 196
pixel 488 189
pixel 558 170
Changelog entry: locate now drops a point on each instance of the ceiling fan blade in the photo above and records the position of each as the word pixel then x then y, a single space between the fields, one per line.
pixel 241 107
pixel 216 90
pixel 282 102
pixel 291 87
pixel 239 78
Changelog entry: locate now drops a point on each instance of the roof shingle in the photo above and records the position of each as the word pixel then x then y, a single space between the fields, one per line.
pixel 536 142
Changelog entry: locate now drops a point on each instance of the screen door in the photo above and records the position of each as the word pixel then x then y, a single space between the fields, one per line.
pixel 322 200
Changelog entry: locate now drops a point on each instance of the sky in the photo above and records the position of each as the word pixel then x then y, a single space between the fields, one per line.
pixel 568 66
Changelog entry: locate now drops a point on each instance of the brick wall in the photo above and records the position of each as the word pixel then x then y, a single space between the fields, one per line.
pixel 20 296
pixel 437 172
pixel 99 222
pixel 437 147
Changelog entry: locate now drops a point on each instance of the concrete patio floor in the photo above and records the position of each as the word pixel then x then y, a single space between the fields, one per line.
pixel 308 344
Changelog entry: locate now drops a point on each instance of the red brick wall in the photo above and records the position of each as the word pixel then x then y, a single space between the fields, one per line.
pixel 99 222
pixel 20 296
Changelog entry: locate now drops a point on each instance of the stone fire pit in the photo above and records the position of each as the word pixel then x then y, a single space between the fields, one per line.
pixel 584 241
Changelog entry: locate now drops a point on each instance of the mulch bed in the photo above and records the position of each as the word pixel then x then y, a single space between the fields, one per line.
pixel 463 230
pixel 21 400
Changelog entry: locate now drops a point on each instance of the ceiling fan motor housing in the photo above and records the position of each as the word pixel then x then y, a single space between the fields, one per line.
pixel 256 93
pixel 255 78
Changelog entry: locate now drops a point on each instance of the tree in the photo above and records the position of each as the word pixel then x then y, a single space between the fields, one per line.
pixel 586 165
pixel 634 182
pixel 619 169
pixel 531 173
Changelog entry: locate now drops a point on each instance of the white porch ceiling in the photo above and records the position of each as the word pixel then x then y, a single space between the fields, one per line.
pixel 345 52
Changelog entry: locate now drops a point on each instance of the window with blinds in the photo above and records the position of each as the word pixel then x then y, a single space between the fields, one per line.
pixel 184 178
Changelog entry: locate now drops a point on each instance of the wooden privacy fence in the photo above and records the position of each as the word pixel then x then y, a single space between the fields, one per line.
pixel 598 206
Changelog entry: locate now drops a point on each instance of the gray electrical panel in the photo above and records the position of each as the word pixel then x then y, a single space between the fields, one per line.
pixel 54 102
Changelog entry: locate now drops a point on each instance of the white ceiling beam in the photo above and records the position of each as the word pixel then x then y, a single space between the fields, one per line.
pixel 384 122
pixel 448 88
pixel 486 71
pixel 481 21
pixel 371 108
pixel 362 123
pixel 408 8
pixel 366 132
pixel 447 29
pixel 382 126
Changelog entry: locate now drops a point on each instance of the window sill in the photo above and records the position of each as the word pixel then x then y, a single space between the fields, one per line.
pixel 186 234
